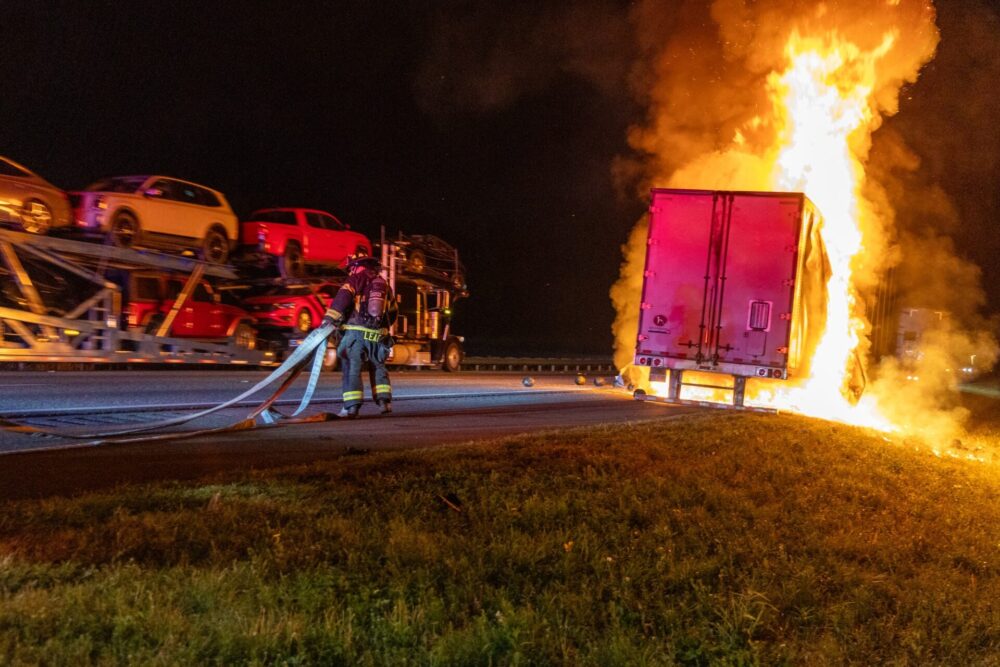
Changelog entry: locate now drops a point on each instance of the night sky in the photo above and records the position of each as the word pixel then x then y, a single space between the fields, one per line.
pixel 493 125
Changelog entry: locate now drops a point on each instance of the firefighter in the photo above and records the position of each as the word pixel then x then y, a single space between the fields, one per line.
pixel 367 303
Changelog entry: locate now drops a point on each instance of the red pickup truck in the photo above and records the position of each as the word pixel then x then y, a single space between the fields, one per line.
pixel 300 237
pixel 208 314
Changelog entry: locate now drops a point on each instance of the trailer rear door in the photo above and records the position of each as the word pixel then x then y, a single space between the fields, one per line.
pixel 719 279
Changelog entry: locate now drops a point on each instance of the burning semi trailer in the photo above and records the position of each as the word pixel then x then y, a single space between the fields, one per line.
pixel 734 288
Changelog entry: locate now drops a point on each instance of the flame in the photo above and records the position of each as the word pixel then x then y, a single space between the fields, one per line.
pixel 823 112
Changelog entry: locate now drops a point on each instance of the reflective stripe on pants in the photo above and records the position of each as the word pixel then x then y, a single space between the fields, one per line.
pixel 355 349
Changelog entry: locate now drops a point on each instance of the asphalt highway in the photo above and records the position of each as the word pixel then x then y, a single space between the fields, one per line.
pixel 430 409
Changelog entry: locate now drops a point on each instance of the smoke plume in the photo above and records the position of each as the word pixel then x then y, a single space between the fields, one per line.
pixel 711 124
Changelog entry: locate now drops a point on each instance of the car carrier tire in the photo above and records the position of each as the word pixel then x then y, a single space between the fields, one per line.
pixel 451 360
pixel 215 246
pixel 245 337
pixel 36 217
pixel 331 361
pixel 124 230
pixel 303 321
pixel 291 264
pixel 416 261
pixel 153 325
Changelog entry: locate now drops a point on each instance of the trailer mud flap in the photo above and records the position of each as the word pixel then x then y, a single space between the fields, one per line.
pixel 314 344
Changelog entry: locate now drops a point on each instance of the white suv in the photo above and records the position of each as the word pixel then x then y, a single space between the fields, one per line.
pixel 159 212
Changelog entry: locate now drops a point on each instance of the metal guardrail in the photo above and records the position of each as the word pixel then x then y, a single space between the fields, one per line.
pixel 539 364
pixel 469 364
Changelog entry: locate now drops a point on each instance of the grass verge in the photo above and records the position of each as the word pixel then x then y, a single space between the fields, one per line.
pixel 706 539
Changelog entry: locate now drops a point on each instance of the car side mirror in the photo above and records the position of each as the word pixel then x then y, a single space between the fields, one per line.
pixel 153 192
pixel 346 226
pixel 216 297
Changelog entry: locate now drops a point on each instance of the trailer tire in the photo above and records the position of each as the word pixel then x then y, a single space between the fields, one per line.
pixel 451 359
pixel 36 217
pixel 215 246
pixel 124 230
pixel 291 264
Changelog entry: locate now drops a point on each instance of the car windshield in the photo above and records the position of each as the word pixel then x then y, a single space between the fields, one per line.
pixel 118 184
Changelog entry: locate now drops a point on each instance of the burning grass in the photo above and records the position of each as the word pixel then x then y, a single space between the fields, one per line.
pixel 701 539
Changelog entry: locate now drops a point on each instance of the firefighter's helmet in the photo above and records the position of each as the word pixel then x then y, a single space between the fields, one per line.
pixel 367 261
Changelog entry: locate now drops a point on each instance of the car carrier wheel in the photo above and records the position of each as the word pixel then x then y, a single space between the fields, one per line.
pixel 124 230
pixel 304 321
pixel 416 261
pixel 245 337
pixel 36 217
pixel 451 360
pixel 215 247
pixel 291 264
pixel 154 324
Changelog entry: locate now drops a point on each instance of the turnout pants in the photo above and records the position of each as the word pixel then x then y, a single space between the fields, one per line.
pixel 360 345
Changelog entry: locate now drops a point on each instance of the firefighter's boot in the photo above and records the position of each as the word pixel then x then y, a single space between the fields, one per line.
pixel 385 407
pixel 349 413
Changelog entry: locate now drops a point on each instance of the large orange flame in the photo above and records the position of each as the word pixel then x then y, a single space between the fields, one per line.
pixel 822 115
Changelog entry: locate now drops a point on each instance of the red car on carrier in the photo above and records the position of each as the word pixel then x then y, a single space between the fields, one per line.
pixel 300 237
pixel 207 314
pixel 290 309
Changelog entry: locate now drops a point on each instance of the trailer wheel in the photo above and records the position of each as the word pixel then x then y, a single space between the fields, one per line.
pixel 245 337
pixel 291 264
pixel 451 361
pixel 36 217
pixel 215 246
pixel 124 230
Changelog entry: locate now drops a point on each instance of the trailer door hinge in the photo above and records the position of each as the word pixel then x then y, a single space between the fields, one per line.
pixel 652 242
pixel 655 209
pixel 782 350
pixel 788 282
pixel 648 274
pixel 791 248
pixel 786 316
pixel 645 306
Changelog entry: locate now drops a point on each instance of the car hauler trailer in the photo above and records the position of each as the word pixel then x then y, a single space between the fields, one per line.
pixel 425 298
pixel 77 316
pixel 734 284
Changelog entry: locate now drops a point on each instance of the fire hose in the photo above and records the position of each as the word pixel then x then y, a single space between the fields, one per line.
pixel 261 415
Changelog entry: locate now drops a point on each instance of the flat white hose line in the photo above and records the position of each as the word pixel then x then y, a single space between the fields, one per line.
pixel 314 343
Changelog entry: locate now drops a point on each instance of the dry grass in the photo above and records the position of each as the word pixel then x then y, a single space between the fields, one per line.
pixel 706 539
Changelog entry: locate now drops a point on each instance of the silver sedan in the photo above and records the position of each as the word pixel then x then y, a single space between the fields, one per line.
pixel 29 202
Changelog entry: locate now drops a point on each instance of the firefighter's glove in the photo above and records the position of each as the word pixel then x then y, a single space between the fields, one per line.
pixel 330 320
pixel 387 341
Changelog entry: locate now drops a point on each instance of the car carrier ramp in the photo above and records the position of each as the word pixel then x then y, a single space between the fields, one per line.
pixel 62 302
